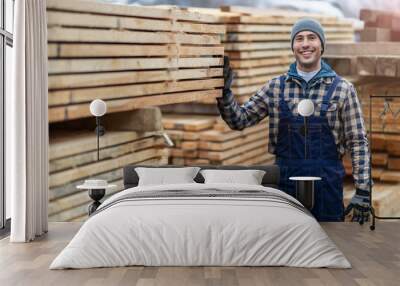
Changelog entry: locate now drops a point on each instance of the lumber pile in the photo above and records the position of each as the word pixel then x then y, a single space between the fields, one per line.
pixel 207 140
pixel 385 139
pixel 73 158
pixel 376 67
pixel 129 56
pixel 380 26
pixel 258 43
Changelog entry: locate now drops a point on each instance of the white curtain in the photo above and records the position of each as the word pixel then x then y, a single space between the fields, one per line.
pixel 27 124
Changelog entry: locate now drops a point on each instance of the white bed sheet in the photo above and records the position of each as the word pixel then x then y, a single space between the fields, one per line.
pixel 200 231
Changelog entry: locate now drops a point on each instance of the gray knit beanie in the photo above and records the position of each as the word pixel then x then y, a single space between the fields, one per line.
pixel 307 24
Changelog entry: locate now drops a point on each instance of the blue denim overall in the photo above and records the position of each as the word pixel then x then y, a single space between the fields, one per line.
pixel 323 160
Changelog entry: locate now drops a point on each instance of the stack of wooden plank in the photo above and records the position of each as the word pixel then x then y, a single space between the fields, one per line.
pixel 129 56
pixel 207 140
pixel 385 139
pixel 380 26
pixel 374 69
pixel 258 43
pixel 372 59
pixel 73 158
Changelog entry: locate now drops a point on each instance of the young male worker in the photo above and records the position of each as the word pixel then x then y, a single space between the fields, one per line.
pixel 336 125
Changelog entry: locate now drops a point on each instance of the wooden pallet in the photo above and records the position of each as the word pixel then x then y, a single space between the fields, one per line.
pixel 129 56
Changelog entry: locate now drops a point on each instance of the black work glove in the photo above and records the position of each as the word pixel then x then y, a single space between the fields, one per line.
pixel 228 74
pixel 361 205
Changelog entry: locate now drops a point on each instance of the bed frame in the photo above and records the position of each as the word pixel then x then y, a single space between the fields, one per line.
pixel 271 177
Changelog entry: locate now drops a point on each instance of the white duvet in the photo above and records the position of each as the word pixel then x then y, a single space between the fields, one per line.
pixel 192 231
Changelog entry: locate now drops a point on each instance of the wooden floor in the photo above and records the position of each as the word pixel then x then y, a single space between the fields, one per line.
pixel 375 257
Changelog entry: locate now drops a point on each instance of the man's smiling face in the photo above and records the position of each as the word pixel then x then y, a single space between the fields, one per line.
pixel 307 49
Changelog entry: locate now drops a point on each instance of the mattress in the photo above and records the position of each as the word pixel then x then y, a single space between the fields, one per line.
pixel 201 225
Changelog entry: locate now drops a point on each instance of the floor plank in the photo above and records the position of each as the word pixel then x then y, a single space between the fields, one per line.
pixel 375 257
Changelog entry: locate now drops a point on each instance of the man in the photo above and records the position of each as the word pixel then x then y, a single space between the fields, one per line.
pixel 336 125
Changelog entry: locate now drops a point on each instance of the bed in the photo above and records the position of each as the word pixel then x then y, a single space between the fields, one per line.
pixel 197 224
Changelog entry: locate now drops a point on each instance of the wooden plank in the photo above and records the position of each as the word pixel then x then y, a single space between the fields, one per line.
pixel 375 35
pixel 180 153
pixel 257 46
pixel 245 90
pixel 63 144
pixel 131 10
pixel 124 91
pixel 258 80
pixel 235 160
pixel 192 123
pixel 261 71
pixel 258 54
pixel 264 37
pixel 390 176
pixel 119 64
pixel 72 50
pixel 240 28
pixel 221 146
pixel 393 145
pixel 192 108
pixel 106 153
pixel 378 142
pixel 68 19
pixel 219 156
pixel 240 64
pixel 216 136
pixel 61 34
pixel 394 163
pixel 189 145
pixel 276 14
pixel 60 178
pixel 70 112
pixel 180 135
pixel 380 159
pixel 362 49
pixel 116 78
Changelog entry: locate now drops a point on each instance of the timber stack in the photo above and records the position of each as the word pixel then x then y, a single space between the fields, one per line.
pixel 129 56
pixel 130 138
pixel 373 65
pixel 207 140
pixel 257 42
pixel 380 26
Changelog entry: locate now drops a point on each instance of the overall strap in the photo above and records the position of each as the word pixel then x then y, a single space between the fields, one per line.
pixel 282 104
pixel 328 95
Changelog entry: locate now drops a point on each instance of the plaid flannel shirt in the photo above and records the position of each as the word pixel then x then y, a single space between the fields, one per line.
pixel 344 114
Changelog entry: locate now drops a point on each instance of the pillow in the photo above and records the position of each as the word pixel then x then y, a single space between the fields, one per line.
pixel 163 176
pixel 249 177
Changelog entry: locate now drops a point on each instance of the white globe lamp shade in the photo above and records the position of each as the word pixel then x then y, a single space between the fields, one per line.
pixel 305 107
pixel 98 107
